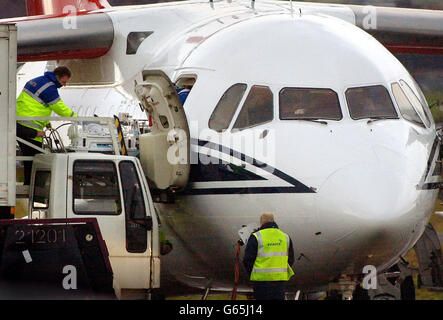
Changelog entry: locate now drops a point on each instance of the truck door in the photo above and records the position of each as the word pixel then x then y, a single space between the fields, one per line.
pixel 134 271
pixel 110 190
pixel 136 220
pixel 164 152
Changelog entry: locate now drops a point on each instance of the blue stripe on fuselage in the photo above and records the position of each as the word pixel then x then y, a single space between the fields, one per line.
pixel 224 171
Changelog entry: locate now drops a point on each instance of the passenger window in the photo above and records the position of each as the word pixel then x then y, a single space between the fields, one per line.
pixel 406 109
pixel 224 111
pixel 95 188
pixel 300 103
pixel 418 106
pixel 136 235
pixel 370 102
pixel 257 109
pixel 42 184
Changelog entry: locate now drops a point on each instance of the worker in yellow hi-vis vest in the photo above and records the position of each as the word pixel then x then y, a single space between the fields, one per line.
pixel 268 258
pixel 40 98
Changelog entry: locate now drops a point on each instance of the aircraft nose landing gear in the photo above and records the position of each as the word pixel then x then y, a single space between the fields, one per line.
pixel 394 284
pixel 343 289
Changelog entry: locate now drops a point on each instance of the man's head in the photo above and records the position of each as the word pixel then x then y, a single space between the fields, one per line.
pixel 63 74
pixel 266 217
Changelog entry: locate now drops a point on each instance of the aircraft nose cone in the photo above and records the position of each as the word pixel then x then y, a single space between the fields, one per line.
pixel 364 195
pixel 368 212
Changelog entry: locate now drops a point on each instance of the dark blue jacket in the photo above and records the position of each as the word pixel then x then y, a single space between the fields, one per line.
pixel 49 95
pixel 183 94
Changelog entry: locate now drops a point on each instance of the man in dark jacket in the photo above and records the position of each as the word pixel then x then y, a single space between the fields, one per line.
pixel 268 258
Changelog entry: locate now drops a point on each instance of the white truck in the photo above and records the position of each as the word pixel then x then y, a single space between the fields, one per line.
pixel 112 190
pixel 91 226
pixel 8 67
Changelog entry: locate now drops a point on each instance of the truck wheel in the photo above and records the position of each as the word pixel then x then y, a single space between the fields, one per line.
pixel 157 295
pixel 5 213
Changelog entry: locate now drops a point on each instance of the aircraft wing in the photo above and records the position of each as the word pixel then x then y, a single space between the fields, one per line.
pixel 403 30
pixel 53 37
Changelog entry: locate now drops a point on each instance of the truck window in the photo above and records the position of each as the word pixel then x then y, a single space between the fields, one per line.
pixel 95 188
pixel 42 184
pixel 136 235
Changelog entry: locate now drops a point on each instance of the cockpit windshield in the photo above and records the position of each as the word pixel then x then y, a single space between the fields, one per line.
pixel 370 102
pixel 304 103
pixel 257 109
pixel 226 107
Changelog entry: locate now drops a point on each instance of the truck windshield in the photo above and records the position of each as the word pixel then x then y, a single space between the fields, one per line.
pixel 96 189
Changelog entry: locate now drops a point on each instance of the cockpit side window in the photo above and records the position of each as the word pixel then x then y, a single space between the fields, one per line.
pixel 370 102
pixel 421 95
pixel 224 111
pixel 406 109
pixel 418 105
pixel 423 100
pixel 257 109
pixel 304 103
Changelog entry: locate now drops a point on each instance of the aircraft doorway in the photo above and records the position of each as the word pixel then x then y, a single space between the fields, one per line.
pixel 184 86
pixel 164 152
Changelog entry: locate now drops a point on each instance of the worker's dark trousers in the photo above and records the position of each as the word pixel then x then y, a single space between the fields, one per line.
pixel 269 290
pixel 27 134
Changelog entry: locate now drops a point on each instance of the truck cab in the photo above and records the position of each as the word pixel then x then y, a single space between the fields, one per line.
pixel 113 190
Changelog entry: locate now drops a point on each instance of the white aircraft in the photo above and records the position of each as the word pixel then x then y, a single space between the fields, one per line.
pixel 292 109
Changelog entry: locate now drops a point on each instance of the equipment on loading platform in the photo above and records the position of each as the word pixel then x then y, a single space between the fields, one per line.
pixel 95 136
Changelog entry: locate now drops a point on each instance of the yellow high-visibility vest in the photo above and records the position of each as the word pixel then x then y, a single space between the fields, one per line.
pixel 28 106
pixel 271 263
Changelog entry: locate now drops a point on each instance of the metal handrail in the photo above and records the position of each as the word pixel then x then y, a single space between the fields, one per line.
pixel 109 121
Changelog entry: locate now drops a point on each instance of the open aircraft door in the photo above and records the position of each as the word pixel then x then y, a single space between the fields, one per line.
pixel 164 152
